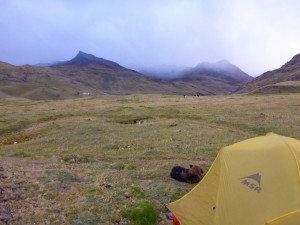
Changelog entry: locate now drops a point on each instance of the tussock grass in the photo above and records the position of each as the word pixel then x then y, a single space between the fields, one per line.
pixel 142 214
pixel 107 160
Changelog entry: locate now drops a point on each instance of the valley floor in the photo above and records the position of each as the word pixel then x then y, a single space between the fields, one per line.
pixel 107 160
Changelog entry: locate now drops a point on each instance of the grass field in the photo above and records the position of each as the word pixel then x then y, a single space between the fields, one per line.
pixel 106 160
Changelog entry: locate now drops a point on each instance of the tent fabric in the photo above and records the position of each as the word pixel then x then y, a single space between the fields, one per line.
pixel 288 219
pixel 253 182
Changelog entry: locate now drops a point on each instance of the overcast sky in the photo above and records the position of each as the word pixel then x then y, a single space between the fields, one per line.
pixel 255 35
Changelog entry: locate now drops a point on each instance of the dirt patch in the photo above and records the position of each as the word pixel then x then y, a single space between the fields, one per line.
pixel 132 122
pixel 15 138
pixel 129 121
pixel 22 135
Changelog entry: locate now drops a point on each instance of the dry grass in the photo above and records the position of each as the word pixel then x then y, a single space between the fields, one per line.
pixel 89 160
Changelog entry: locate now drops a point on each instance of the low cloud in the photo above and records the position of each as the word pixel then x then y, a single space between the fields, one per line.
pixel 254 35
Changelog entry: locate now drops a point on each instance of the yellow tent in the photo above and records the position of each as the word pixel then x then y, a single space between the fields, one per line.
pixel 253 182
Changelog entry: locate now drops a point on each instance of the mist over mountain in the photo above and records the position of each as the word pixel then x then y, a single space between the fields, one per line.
pixel 48 64
pixel 221 69
pixel 164 71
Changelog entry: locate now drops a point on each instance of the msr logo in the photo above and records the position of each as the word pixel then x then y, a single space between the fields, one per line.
pixel 253 182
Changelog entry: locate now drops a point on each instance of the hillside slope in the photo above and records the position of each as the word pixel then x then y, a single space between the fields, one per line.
pixel 287 73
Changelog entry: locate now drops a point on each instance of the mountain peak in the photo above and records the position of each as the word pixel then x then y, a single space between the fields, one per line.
pixel 82 53
pixel 85 56
pixel 222 64
pixel 221 68
pixel 85 59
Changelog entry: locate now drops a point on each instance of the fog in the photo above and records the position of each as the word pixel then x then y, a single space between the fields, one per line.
pixel 255 35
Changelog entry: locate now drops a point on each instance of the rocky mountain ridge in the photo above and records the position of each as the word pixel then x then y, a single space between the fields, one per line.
pixel 86 73
pixel 286 74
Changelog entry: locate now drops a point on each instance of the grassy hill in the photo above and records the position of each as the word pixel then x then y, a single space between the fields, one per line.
pixel 35 82
pixel 287 87
pixel 107 160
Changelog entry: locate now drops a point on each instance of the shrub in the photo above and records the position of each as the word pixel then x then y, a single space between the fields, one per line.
pixel 176 193
pixel 142 214
pixel 117 166
pixel 76 159
pixel 131 167
pixel 137 192
pixel 21 154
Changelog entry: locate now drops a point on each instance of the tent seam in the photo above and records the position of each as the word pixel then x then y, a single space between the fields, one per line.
pixel 292 151
pixel 283 216
pixel 220 178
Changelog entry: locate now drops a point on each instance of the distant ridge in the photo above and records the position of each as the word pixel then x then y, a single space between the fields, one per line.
pixel 219 78
pixel 271 81
pixel 85 59
pixel 164 71
pixel 221 68
pixel 295 61
pixel 87 74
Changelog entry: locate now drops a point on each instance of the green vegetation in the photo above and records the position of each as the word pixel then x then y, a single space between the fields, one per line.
pixel 107 160
pixel 76 159
pixel 142 214
pixel 118 166
pixel 20 154
pixel 128 100
pixel 137 192
pixel 131 167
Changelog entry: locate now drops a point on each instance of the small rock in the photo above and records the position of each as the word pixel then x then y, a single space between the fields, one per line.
pixel 162 223
pixel 2 176
pixel 128 195
pixel 107 185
